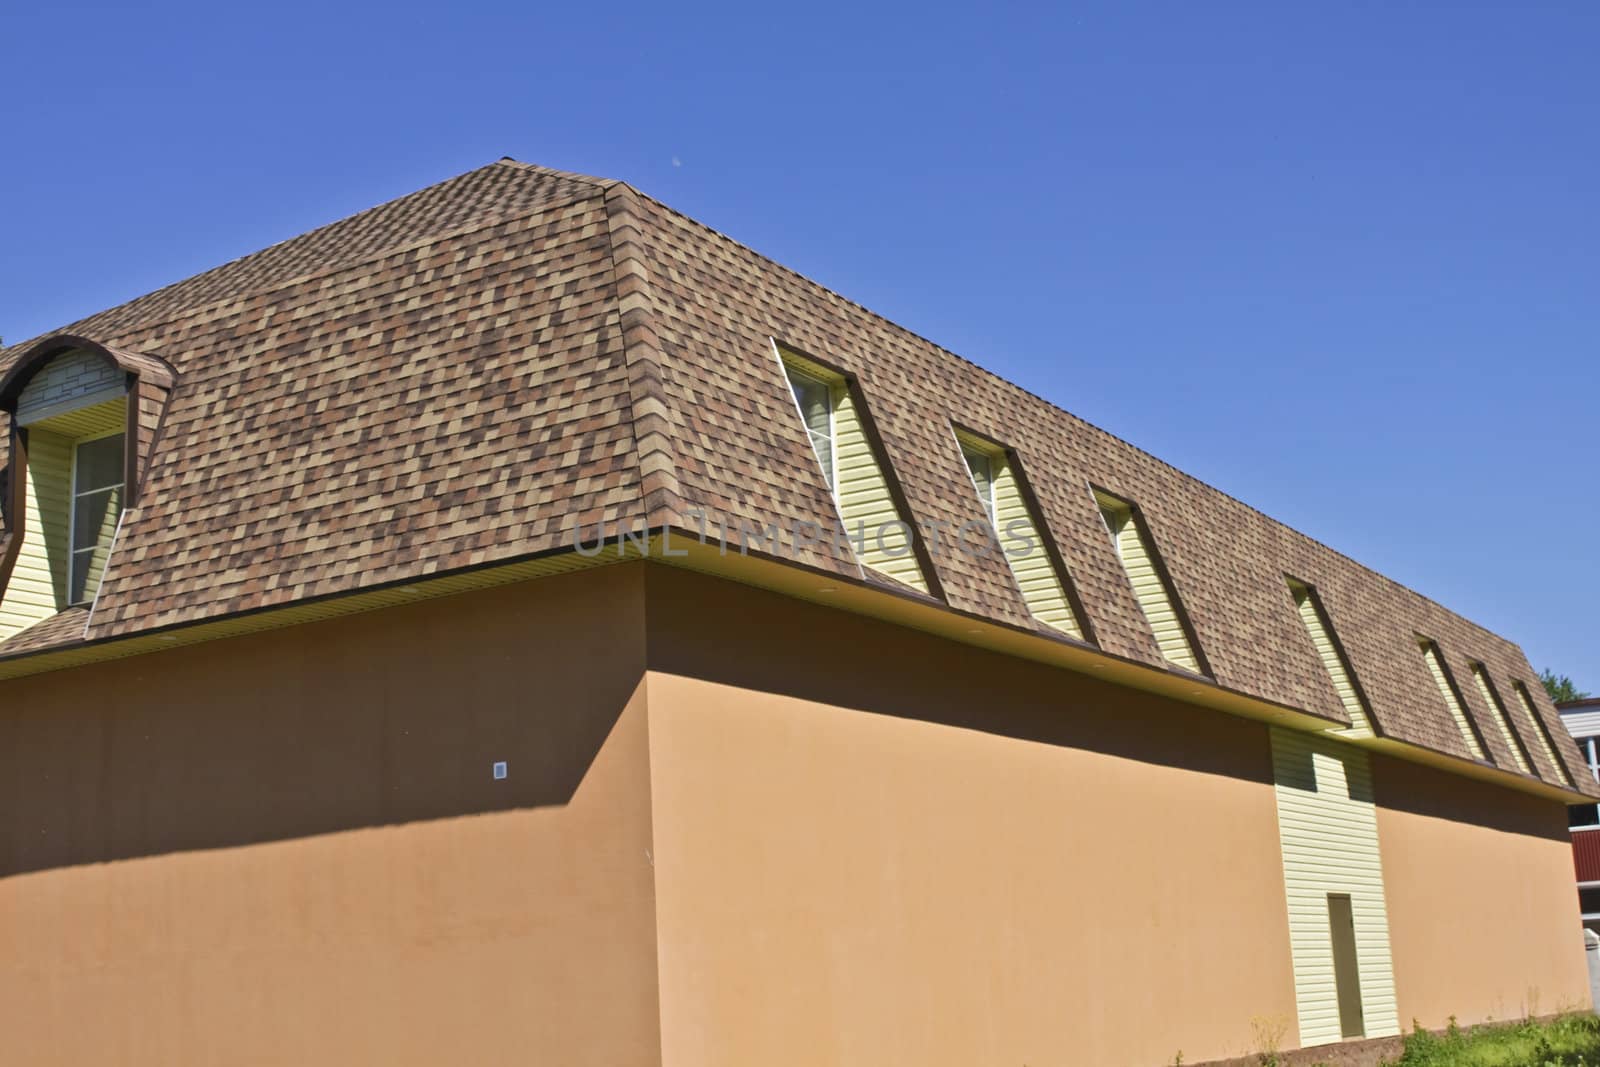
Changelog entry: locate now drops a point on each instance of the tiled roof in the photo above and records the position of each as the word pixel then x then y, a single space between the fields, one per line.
pixel 62 628
pixel 467 374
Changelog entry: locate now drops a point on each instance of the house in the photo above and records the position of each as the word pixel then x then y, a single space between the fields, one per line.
pixel 520 623
pixel 1582 720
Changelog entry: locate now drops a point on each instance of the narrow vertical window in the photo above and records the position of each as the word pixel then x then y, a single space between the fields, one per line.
pixel 1447 689
pixel 981 465
pixel 97 485
pixel 837 425
pixel 814 398
pixel 1497 710
pixel 997 479
pixel 1143 566
pixel 1546 743
pixel 1318 627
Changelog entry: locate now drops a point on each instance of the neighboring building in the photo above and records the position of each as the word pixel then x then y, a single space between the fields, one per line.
pixel 331 730
pixel 1582 720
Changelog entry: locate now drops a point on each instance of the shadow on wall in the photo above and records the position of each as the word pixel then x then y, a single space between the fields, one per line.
pixel 722 632
pixel 370 720
pixel 745 637
pixel 1411 787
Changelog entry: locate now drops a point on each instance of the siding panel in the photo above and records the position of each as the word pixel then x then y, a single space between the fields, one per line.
pixel 865 503
pixel 1541 734
pixel 1497 711
pixel 1138 560
pixel 38 586
pixel 1332 661
pixel 1586 855
pixel 1041 587
pixel 1327 825
pixel 1430 652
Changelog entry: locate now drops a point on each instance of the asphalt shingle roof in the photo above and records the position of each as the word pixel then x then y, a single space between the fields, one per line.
pixel 467 374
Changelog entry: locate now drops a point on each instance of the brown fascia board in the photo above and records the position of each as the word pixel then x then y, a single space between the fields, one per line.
pixel 897 606
pixel 16 504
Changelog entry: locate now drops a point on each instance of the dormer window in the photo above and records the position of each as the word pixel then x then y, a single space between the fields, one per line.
pixel 98 468
pixel 1041 576
pixel 834 415
pixel 815 399
pixel 1152 587
pixel 79 413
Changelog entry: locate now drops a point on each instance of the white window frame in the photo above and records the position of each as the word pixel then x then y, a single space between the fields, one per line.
pixel 991 509
pixel 1587 916
pixel 1587 747
pixel 831 471
pixel 72 517
pixel 1105 521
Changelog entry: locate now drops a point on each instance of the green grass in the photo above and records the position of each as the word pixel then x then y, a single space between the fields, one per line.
pixel 1570 1041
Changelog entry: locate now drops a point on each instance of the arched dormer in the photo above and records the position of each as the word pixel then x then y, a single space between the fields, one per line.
pixel 82 417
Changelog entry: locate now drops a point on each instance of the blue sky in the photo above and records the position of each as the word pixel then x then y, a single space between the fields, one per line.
pixel 1338 260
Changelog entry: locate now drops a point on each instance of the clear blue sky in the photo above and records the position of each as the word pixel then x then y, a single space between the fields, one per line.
pixel 1342 261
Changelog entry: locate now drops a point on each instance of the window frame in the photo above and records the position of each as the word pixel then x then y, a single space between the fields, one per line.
pixel 1106 503
pixel 1298 587
pixel 1502 717
pixel 830 469
pixel 986 492
pixel 1450 692
pixel 1587 916
pixel 1546 739
pixel 121 485
pixel 1587 747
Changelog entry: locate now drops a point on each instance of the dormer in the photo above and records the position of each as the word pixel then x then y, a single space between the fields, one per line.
pixel 81 419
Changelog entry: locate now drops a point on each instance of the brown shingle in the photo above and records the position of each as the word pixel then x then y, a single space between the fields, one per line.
pixel 469 374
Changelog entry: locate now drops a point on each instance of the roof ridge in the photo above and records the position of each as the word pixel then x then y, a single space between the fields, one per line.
pixel 284 283
pixel 650 410
pixel 374 254
pixel 1296 531
pixel 549 172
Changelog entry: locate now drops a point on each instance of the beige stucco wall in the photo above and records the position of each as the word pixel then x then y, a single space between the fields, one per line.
pixel 737 830
pixel 289 849
pixel 1483 916
pixel 896 850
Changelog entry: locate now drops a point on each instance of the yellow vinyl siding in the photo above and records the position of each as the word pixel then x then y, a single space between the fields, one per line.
pixel 1322 638
pixel 1328 830
pixel 1497 711
pixel 1546 745
pixel 1434 658
pixel 1138 560
pixel 1042 588
pixel 38 586
pixel 865 504
pixel 860 489
pixel 39 582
